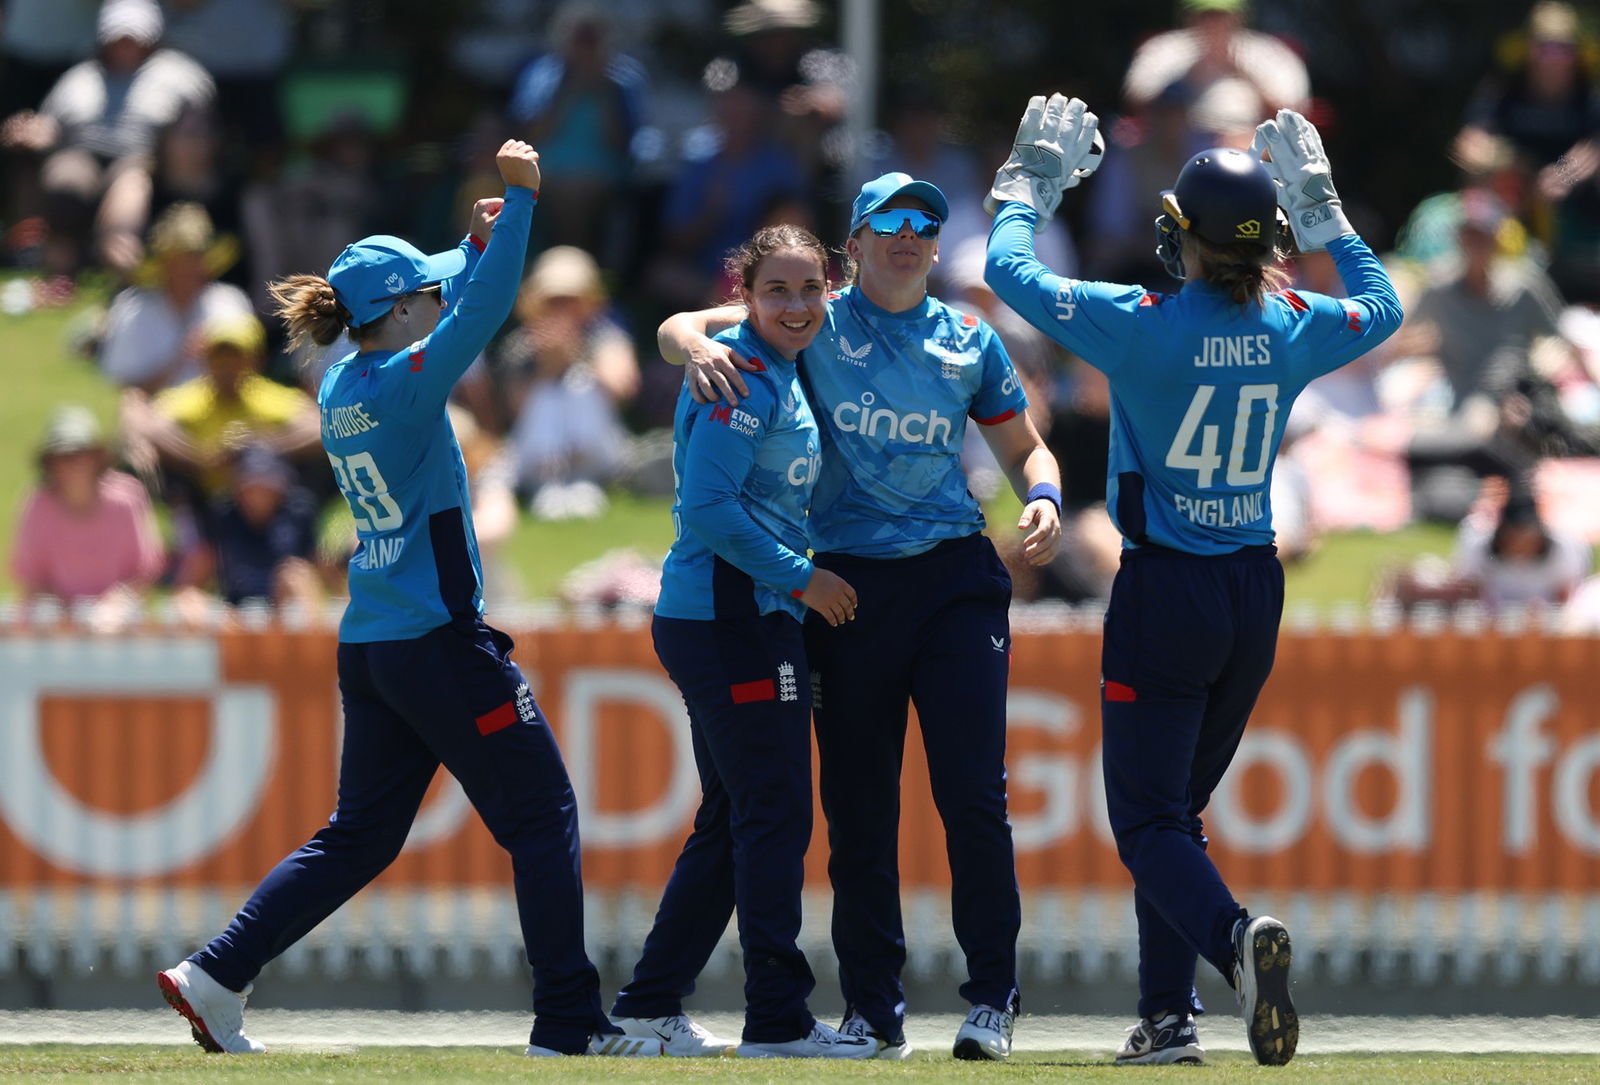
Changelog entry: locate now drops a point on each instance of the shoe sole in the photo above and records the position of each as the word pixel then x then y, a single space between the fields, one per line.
pixel 1272 1025
pixel 974 1051
pixel 197 1027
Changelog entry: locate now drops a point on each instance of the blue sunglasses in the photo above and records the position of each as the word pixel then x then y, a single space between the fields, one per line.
pixel 889 223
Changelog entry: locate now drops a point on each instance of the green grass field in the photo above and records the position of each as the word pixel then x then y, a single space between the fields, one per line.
pixel 59 1062
pixel 40 372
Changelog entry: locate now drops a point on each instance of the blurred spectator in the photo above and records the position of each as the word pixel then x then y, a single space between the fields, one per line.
pixel 1145 156
pixel 563 373
pixel 86 534
pixel 581 104
pixel 719 197
pixel 261 540
pixel 1430 235
pixel 196 429
pixel 1547 105
pixel 245 45
pixel 1233 77
pixel 98 127
pixel 776 51
pixel 149 340
pixel 293 221
pixel 1516 560
pixel 186 170
pixel 1483 326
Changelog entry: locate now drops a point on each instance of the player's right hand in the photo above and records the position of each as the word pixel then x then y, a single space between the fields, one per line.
pixel 712 371
pixel 830 596
pixel 1058 144
pixel 518 163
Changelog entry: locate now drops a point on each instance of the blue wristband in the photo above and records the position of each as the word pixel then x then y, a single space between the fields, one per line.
pixel 1047 490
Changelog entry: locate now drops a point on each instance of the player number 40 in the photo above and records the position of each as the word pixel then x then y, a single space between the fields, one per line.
pixel 1206 460
pixel 369 494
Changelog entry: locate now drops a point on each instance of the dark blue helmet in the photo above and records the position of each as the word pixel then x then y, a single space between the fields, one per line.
pixel 1224 196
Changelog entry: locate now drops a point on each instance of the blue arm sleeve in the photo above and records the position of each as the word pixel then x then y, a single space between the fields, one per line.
pixel 716 463
pixel 1093 320
pixel 453 286
pixel 431 367
pixel 1342 329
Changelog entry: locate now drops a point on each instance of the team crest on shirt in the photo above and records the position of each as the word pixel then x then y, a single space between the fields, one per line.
pixel 952 363
pixel 788 688
pixel 857 355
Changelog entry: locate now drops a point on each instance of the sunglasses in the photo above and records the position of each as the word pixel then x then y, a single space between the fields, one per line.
pixel 889 223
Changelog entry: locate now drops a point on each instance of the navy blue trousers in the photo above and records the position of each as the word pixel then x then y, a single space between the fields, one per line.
pixel 1189 642
pixel 452 696
pixel 932 630
pixel 748 691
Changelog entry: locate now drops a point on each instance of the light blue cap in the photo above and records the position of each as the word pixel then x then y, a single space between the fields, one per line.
pixel 880 190
pixel 369 275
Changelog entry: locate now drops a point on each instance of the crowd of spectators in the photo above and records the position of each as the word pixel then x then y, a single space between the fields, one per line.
pixel 188 151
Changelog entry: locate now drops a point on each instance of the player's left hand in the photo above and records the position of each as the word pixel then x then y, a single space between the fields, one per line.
pixel 484 212
pixel 1043 524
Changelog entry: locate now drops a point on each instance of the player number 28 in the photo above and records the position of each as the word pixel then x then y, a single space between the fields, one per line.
pixel 370 493
pixel 1205 461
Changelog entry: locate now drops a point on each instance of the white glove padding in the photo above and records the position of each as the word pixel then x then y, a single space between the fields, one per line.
pixel 1299 166
pixel 1058 144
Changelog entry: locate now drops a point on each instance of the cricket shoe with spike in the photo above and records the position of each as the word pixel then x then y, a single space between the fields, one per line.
pixel 1262 955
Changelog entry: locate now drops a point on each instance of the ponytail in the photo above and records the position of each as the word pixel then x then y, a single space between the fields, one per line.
pixel 310 309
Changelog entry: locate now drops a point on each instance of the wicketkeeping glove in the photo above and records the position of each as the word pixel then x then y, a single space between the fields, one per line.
pixel 1058 144
pixel 1300 167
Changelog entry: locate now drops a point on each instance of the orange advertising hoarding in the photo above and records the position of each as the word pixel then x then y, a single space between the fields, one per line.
pixel 1376 762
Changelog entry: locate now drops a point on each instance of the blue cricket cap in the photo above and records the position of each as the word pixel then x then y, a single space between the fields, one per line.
pixel 880 190
pixel 369 275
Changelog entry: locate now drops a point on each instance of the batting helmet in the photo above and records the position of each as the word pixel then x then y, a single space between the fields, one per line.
pixel 1224 196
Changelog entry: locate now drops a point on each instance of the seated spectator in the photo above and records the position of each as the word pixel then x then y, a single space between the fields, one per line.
pixel 1518 561
pixel 244 45
pixel 565 371
pixel 193 431
pixel 186 170
pixel 1546 105
pixel 1232 77
pixel 149 342
pixel 1483 326
pixel 87 534
pixel 260 541
pixel 98 126
pixel 734 173
pixel 581 104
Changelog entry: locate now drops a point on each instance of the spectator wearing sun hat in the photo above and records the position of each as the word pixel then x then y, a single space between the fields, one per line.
pixel 150 341
pixel 197 427
pixel 86 533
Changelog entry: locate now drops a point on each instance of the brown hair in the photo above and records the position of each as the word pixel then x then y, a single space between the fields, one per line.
pixel 742 262
pixel 312 312
pixel 1248 272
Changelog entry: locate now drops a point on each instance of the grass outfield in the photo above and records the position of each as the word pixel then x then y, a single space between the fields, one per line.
pixel 40 373
pixel 61 1062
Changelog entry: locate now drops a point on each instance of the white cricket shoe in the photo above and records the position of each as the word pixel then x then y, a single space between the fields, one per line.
pixel 986 1034
pixel 215 1014
pixel 1262 954
pixel 614 1045
pixel 856 1025
pixel 1161 1041
pixel 823 1042
pixel 680 1036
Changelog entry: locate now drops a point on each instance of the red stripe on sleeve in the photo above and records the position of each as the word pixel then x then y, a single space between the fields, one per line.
pixel 997 419
pixel 497 720
pixel 1296 302
pixel 746 692
pixel 479 245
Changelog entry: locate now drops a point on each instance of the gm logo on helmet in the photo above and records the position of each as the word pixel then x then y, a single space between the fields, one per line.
pixel 1249 230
